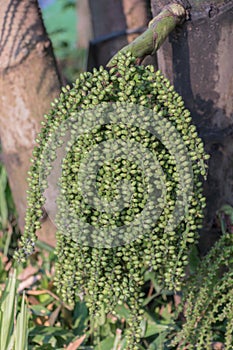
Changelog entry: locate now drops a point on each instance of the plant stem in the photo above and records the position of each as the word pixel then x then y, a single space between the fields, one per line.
pixel 158 30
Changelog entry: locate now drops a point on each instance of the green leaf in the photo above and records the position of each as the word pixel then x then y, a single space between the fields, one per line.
pixel 49 340
pixel 143 325
pixel 102 317
pixel 3 201
pixel 155 328
pixel 194 260
pixel 40 310
pixel 123 311
pixel 11 343
pixel 7 311
pixel 48 331
pixel 55 336
pixel 123 344
pixel 106 344
pixel 44 347
pixel 3 178
pixel 159 342
pixel 21 331
pixel 80 318
pixel 44 246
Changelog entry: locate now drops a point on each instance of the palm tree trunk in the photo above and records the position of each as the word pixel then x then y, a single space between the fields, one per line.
pixel 197 59
pixel 29 81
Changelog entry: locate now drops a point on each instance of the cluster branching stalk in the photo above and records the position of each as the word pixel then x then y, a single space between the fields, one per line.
pixel 158 30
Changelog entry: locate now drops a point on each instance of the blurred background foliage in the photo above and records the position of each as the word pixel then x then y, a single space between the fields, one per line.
pixel 60 19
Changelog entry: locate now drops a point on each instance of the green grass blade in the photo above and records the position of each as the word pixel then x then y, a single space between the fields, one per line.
pixel 21 331
pixel 3 201
pixel 8 301
pixel 11 343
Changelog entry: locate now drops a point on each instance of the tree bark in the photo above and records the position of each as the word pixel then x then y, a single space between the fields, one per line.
pixel 29 81
pixel 84 27
pixel 136 15
pixel 197 59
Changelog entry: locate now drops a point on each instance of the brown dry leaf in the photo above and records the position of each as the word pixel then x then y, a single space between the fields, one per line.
pixel 217 346
pixel 75 345
pixel 112 317
pixel 4 259
pixel 177 300
pixel 50 306
pixel 27 272
pixel 150 290
pixel 39 292
pixel 38 321
pixel 118 337
pixel 168 307
pixel 8 266
pixel 46 321
pixel 28 282
pixel 32 300
pixel 54 315
pixel 46 291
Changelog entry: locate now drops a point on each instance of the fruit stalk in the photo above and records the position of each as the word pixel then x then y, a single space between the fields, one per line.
pixel 158 30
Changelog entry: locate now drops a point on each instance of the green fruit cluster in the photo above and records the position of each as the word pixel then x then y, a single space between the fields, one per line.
pixel 208 301
pixel 112 274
